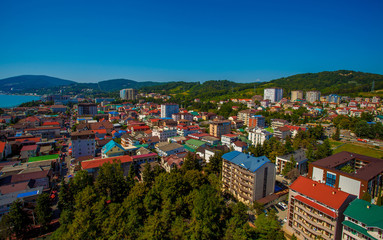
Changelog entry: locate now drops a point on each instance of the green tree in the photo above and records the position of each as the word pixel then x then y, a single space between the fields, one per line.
pixel 336 135
pixel 147 174
pixel 207 207
pixel 17 220
pixel 111 182
pixel 258 207
pixel 215 163
pixel 290 165
pixel 191 162
pixel 66 197
pixel 43 211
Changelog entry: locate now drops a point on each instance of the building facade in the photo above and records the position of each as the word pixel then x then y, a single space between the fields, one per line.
pixel 363 220
pixel 83 144
pixel 297 94
pixel 87 109
pixel 259 136
pixel 273 94
pixel 256 121
pixel 315 210
pixel 352 173
pixel 219 128
pixel 167 110
pixel 248 178
pixel 312 96
pixel 128 94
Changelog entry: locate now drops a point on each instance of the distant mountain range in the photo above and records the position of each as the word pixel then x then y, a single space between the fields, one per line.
pixel 33 82
pixel 341 81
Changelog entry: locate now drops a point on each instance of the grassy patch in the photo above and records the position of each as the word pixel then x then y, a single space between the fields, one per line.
pixel 43 158
pixel 335 143
pixel 349 147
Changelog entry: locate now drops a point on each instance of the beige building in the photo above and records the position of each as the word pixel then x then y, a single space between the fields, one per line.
pixel 297 94
pixel 246 177
pixel 128 94
pixel 219 128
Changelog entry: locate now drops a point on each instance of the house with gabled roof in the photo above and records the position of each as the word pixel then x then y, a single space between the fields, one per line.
pixel 112 149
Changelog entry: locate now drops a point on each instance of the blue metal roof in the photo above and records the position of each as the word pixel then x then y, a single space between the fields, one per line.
pixel 245 160
pixel 27 194
pixel 111 144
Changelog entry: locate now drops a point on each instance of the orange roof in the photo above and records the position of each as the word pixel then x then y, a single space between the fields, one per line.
pixel 96 163
pixel 2 146
pixel 99 131
pixel 320 192
pixel 36 139
pixel 51 123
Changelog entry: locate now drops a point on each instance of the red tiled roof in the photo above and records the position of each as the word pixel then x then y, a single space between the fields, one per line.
pixel 29 148
pixel 2 146
pixel 96 163
pixel 230 135
pixel 27 176
pixel 51 123
pixel 36 139
pixel 320 192
pixel 99 131
pixel 316 206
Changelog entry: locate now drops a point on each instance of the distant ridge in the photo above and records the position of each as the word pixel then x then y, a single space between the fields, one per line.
pixel 341 82
pixel 19 83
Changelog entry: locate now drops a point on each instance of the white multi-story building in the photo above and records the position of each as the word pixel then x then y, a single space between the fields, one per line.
pixel 259 136
pixel 273 94
pixel 167 110
pixel 164 133
pixel 83 144
pixel 128 94
pixel 312 96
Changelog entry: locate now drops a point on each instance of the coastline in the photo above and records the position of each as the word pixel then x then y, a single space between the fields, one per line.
pixel 14 100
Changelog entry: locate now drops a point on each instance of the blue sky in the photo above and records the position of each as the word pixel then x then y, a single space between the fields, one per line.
pixel 242 41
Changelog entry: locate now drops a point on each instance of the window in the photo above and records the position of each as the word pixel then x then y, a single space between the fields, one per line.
pixel 330 180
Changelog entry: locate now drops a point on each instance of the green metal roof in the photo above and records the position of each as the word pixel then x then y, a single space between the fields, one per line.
pixel 189 149
pixel 269 129
pixel 193 143
pixel 358 229
pixel 365 212
pixel 194 113
pixel 43 158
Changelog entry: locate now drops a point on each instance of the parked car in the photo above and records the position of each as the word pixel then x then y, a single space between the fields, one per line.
pixel 283 205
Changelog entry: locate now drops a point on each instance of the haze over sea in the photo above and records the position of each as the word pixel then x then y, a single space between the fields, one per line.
pixel 7 101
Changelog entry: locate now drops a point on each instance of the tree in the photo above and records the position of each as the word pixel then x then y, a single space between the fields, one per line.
pixel 191 162
pixel 205 223
pixel 288 145
pixel 111 182
pixel 66 197
pixel 336 135
pixel 81 180
pixel 18 220
pixel 43 211
pixel 147 174
pixel 258 207
pixel 215 163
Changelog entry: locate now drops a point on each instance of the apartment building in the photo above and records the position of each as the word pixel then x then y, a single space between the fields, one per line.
pixel 168 109
pixel 248 178
pixel 316 210
pixel 312 96
pixel 363 220
pixel 299 157
pixel 83 144
pixel 297 94
pixel 259 136
pixel 273 94
pixel 219 128
pixel 256 121
pixel 87 109
pixel 164 133
pixel 128 94
pixel 245 115
pixel 352 173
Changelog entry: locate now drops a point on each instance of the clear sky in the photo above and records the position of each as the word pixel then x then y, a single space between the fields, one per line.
pixel 197 40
